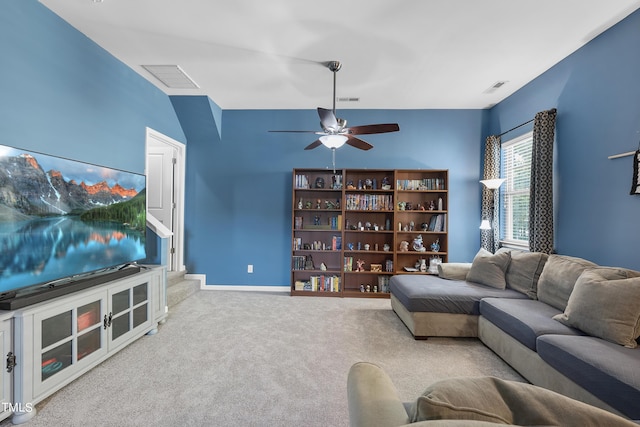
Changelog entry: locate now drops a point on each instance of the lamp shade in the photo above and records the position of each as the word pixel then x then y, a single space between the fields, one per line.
pixel 485 225
pixel 493 184
pixel 333 141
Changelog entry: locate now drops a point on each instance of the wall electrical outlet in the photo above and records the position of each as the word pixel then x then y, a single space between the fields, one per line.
pixel 250 268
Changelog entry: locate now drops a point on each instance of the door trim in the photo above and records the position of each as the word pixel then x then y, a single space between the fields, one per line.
pixel 179 188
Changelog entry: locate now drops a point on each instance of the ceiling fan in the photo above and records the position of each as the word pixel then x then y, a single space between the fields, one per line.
pixel 335 132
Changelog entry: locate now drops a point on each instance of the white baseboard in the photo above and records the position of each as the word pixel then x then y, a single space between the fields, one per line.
pixel 246 288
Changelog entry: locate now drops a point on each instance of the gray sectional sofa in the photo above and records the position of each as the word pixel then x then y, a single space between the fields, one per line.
pixel 564 323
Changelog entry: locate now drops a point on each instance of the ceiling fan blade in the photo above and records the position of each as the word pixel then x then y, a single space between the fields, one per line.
pixel 371 129
pixel 298 131
pixel 358 143
pixel 328 119
pixel 313 145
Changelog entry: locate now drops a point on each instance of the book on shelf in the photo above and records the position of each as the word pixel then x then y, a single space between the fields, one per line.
pixel 336 243
pixel 438 222
pixel 324 283
pixel 348 263
pixel 369 202
pixel 302 181
pixel 297 223
pixel 421 184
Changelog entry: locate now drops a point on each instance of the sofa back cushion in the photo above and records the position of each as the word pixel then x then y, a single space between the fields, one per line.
pixel 605 303
pixel 558 278
pixel 489 269
pixel 524 270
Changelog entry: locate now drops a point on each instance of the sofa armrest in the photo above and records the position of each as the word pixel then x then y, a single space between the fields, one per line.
pixel 373 399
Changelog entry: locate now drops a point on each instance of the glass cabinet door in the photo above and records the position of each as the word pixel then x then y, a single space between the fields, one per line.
pixel 130 309
pixel 70 335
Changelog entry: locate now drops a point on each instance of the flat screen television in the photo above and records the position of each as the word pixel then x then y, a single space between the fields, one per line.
pixel 65 225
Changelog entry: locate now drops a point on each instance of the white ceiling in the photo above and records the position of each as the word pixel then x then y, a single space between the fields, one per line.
pixel 396 54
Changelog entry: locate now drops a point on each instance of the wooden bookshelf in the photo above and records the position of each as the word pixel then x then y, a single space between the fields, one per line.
pixel 347 228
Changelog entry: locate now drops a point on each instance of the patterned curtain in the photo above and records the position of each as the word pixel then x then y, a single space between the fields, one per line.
pixel 541 196
pixel 490 239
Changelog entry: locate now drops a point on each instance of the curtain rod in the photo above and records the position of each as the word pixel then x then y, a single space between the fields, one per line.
pixel 516 127
pixel 553 110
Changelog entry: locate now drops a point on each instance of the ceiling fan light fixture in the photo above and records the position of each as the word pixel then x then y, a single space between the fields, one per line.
pixel 333 141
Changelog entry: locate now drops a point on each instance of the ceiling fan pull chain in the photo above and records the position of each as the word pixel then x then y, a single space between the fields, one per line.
pixel 333 159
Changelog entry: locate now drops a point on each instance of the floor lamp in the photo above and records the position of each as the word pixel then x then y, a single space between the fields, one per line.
pixel 493 185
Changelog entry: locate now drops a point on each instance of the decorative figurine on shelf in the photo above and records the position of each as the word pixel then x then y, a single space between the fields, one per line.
pixel 329 204
pixel 368 288
pixel 435 246
pixel 412 226
pixel 404 246
pixel 424 226
pixel 418 245
pixel 350 246
pixel 318 204
pixel 386 247
pixel 361 288
pixel 323 266
pixel 316 220
pixel 368 184
pixel 307 205
pixel 402 206
pixel 360 264
pixel 423 265
pixel 308 263
pixel 386 185
pixel 300 204
pixel 319 182
pixel 350 185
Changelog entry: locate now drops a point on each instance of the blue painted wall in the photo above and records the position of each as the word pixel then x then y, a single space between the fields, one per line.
pixel 597 93
pixel 238 197
pixel 64 95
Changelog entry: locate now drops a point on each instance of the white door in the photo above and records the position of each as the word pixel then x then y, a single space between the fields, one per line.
pixel 161 190
pixel 165 168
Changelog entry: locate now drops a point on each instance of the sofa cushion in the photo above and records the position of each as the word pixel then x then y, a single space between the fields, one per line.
pixel 454 270
pixel 489 269
pixel 524 270
pixel 558 277
pixel 524 319
pixel 427 293
pixel 605 303
pixel 608 371
pixel 494 400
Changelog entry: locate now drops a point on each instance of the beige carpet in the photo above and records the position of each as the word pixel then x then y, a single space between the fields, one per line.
pixel 227 358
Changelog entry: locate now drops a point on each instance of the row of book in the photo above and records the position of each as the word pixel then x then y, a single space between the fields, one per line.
pixel 320 283
pixel 438 223
pixel 421 184
pixel 369 202
pixel 333 223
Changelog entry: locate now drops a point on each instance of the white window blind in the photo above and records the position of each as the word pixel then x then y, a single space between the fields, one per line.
pixel 514 193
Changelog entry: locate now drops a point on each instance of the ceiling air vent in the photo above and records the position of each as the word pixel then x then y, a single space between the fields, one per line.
pixel 348 99
pixel 495 86
pixel 172 76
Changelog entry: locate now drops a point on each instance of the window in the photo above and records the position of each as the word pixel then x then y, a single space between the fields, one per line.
pixel 514 193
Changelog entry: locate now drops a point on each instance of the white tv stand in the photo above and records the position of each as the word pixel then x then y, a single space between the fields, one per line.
pixel 58 340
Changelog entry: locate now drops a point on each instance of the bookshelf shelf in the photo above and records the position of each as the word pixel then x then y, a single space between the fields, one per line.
pixel 362 216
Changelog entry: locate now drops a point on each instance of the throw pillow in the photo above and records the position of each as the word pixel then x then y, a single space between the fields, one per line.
pixel 454 270
pixel 524 271
pixel 605 303
pixel 558 277
pixel 489 269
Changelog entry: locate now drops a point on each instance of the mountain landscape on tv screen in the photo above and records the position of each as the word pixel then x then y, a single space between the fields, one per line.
pixel 27 191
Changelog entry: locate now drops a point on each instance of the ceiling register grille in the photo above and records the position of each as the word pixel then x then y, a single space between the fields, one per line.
pixel 172 76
